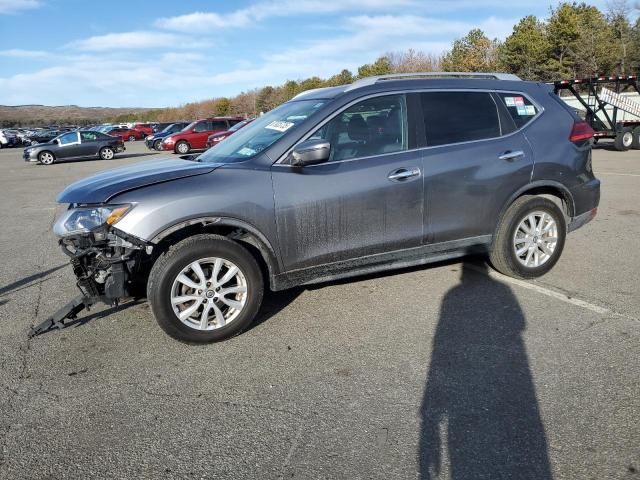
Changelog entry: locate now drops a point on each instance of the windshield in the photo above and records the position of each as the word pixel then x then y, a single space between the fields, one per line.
pixel 238 126
pixel 261 133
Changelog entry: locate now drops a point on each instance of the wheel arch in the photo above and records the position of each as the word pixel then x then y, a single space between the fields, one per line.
pixel 555 191
pixel 238 230
pixel 47 151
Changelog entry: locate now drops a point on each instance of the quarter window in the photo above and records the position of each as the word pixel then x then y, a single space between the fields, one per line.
pixel 519 107
pixel 372 127
pixel 454 117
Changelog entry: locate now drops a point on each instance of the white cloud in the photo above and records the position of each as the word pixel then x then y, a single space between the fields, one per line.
pixel 203 22
pixel 20 53
pixel 15 6
pixel 132 41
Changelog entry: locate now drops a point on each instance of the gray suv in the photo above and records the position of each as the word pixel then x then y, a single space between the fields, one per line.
pixel 384 173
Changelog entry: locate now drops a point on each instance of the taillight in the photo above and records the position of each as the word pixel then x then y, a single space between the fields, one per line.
pixel 581 131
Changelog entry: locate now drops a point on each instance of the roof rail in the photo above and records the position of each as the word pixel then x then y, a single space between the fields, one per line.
pixel 365 82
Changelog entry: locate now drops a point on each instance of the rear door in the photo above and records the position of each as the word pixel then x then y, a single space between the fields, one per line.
pixel 367 199
pixel 89 143
pixel 475 160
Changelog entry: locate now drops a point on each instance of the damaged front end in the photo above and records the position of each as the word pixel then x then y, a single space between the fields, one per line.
pixel 105 260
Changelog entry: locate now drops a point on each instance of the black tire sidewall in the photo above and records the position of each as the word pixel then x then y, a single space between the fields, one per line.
pixel 514 217
pixel 161 282
pixel 156 145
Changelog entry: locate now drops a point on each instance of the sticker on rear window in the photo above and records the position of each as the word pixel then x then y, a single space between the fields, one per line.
pixel 280 126
pixel 519 101
pixel 530 109
pixel 510 101
pixel 522 111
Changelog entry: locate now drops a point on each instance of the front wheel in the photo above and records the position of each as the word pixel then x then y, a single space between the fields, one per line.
pixel 46 158
pixel 106 153
pixel 183 147
pixel 157 145
pixel 204 289
pixel 530 238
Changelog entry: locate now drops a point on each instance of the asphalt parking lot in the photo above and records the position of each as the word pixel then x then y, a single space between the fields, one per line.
pixel 447 371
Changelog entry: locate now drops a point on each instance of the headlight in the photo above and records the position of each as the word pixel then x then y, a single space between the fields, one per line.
pixel 169 140
pixel 150 137
pixel 85 219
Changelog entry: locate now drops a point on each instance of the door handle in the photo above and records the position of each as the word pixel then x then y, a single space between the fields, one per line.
pixel 509 155
pixel 403 173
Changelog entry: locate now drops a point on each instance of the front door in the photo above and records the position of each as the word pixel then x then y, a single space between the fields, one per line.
pixel 367 199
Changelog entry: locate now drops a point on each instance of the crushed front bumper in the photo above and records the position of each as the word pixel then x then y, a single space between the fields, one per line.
pixel 106 263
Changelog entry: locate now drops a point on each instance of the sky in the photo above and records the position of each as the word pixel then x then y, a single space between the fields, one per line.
pixel 166 53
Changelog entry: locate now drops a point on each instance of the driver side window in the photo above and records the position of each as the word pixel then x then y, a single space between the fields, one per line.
pixel 201 126
pixel 71 137
pixel 375 126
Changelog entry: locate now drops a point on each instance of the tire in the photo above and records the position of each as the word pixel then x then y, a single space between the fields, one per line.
pixel 131 138
pixel 624 140
pixel 157 145
pixel 106 153
pixel 163 287
pixel 504 257
pixel 46 158
pixel 636 138
pixel 183 147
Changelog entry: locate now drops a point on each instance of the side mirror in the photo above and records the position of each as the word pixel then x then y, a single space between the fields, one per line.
pixel 310 152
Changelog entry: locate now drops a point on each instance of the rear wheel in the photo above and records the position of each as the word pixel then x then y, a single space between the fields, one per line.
pixel 636 138
pixel 183 147
pixel 106 153
pixel 46 158
pixel 530 238
pixel 205 289
pixel 624 139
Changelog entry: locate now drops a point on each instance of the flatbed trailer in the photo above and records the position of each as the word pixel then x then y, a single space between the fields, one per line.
pixel 605 123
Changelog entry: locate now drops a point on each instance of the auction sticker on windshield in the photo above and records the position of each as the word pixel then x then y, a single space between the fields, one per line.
pixel 280 126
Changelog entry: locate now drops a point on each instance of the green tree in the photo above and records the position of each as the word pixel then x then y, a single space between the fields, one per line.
pixel 222 106
pixel 345 77
pixel 526 50
pixel 473 53
pixel 381 66
pixel 563 34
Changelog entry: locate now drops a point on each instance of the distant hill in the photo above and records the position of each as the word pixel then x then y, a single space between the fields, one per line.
pixel 34 115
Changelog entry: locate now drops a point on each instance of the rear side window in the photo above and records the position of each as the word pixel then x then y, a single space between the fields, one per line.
pixel 218 125
pixel 519 107
pixel 454 117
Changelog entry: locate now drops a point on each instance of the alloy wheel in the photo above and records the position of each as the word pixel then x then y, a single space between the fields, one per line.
pixel 209 293
pixel 46 158
pixel 535 239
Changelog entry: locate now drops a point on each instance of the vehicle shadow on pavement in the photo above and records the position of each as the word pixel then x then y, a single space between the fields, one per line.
pixel 480 416
pixel 24 282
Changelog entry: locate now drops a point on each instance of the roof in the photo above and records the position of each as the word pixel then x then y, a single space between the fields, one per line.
pixel 332 92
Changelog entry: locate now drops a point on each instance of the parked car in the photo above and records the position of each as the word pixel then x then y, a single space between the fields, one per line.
pixel 8 139
pixel 154 142
pixel 195 135
pixel 216 138
pixel 158 127
pixel 126 134
pixel 384 173
pixel 145 128
pixel 43 136
pixel 75 145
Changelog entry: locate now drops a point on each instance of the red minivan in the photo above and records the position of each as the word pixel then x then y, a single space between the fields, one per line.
pixel 194 137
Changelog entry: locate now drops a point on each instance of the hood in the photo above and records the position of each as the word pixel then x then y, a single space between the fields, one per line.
pixel 103 186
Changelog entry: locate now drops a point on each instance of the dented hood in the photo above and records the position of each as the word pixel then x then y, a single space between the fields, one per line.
pixel 103 186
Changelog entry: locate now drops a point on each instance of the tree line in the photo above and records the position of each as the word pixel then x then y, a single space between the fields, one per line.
pixel 576 40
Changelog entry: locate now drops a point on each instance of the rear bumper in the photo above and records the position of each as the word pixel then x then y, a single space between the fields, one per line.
pixel 582 219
